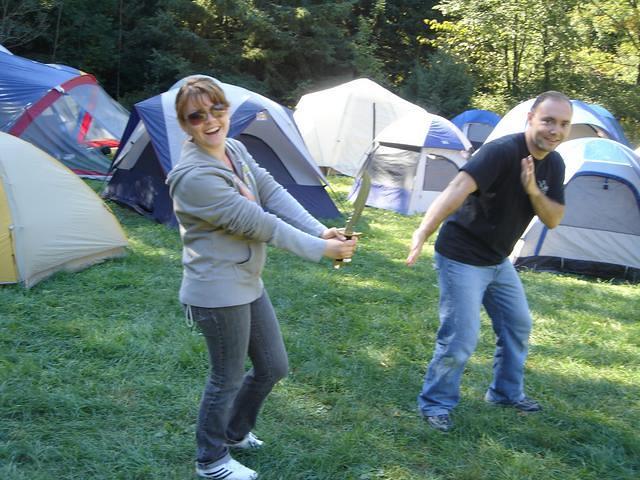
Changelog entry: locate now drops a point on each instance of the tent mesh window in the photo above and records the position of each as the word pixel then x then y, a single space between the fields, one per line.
pixel 439 171
pixel 478 132
pixel 393 167
pixel 601 203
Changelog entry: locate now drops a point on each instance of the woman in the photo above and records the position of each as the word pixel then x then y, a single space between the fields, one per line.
pixel 229 209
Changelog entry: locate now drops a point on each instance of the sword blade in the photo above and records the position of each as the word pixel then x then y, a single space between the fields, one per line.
pixel 358 204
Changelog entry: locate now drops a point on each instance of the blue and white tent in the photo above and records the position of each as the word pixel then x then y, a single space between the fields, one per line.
pixel 612 124
pixel 61 110
pixel 153 140
pixel 600 232
pixel 476 125
pixel 412 160
pixel 586 122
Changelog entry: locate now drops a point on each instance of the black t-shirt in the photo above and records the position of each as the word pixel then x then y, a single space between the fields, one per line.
pixel 486 227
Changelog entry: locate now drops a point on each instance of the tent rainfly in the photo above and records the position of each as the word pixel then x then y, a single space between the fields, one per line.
pixel 61 110
pixel 153 141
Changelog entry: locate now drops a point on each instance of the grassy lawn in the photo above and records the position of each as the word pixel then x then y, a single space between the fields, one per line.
pixel 100 377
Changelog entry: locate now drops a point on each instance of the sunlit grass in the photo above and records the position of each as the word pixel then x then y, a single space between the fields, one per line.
pixel 100 377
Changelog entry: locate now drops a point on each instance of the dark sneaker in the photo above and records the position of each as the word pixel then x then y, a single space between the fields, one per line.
pixel 442 423
pixel 525 405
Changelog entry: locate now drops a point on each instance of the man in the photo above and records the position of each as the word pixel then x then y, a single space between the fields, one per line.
pixel 490 203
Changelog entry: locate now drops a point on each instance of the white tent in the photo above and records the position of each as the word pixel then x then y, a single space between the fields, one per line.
pixel 600 232
pixel 587 121
pixel 412 160
pixel 50 220
pixel 339 124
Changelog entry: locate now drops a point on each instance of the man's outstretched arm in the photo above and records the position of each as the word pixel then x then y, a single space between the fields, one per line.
pixel 444 205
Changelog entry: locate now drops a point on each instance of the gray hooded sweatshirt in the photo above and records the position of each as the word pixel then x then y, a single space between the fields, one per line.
pixel 225 234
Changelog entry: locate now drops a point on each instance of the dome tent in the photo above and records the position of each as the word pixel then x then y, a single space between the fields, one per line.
pixel 153 141
pixel 476 125
pixel 61 110
pixel 50 220
pixel 586 122
pixel 412 160
pixel 338 124
pixel 599 234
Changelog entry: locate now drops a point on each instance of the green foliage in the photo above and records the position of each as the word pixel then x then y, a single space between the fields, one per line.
pixel 365 61
pixel 443 88
pixel 511 49
pixel 399 32
pixel 21 22
pixel 100 377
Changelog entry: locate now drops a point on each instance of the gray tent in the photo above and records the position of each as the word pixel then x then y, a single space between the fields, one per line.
pixel 600 232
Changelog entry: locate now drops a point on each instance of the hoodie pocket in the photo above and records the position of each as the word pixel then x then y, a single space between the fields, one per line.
pixel 257 257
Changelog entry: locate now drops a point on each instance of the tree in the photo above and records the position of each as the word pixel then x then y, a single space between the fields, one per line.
pixel 510 45
pixel 443 88
pixel 21 21
pixel 397 36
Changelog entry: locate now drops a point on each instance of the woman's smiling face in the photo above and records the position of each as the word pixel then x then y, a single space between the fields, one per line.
pixel 210 134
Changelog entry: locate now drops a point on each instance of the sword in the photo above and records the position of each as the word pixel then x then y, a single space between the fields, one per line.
pixel 358 207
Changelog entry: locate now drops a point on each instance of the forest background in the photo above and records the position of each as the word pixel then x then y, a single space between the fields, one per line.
pixel 446 56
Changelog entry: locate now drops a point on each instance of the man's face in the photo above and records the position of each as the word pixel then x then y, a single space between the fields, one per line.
pixel 549 125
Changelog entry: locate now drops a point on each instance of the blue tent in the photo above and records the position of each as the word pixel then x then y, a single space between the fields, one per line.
pixel 599 234
pixel 476 125
pixel 153 140
pixel 610 121
pixel 61 110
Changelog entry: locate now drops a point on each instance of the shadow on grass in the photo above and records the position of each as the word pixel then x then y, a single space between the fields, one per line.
pixel 353 412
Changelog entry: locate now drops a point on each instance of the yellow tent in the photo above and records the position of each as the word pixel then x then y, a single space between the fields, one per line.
pixel 50 220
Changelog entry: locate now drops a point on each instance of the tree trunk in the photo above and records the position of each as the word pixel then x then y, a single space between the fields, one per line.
pixel 57 34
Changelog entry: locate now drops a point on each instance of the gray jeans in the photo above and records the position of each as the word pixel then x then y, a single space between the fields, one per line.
pixel 232 397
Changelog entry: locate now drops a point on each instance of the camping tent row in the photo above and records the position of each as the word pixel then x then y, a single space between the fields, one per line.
pixel 476 124
pixel 61 110
pixel 338 124
pixel 588 120
pixel 412 160
pixel 599 234
pixel 153 140
pixel 50 220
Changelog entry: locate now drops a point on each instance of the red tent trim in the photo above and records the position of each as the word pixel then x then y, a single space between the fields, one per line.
pixel 45 102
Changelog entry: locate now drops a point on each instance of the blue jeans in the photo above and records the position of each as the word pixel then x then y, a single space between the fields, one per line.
pixel 463 289
pixel 232 397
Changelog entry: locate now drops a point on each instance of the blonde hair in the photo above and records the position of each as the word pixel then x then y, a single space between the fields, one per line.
pixel 196 88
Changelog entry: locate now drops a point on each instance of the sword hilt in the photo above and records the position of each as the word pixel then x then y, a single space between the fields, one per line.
pixel 337 263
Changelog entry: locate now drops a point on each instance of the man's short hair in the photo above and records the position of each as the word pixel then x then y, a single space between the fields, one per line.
pixel 552 94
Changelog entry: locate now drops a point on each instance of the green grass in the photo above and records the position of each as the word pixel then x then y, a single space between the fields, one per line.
pixel 100 378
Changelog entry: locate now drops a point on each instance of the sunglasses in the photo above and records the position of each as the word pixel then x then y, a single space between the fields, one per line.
pixel 218 110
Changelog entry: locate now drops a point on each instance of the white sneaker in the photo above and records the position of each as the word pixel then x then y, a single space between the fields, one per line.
pixel 249 442
pixel 230 470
